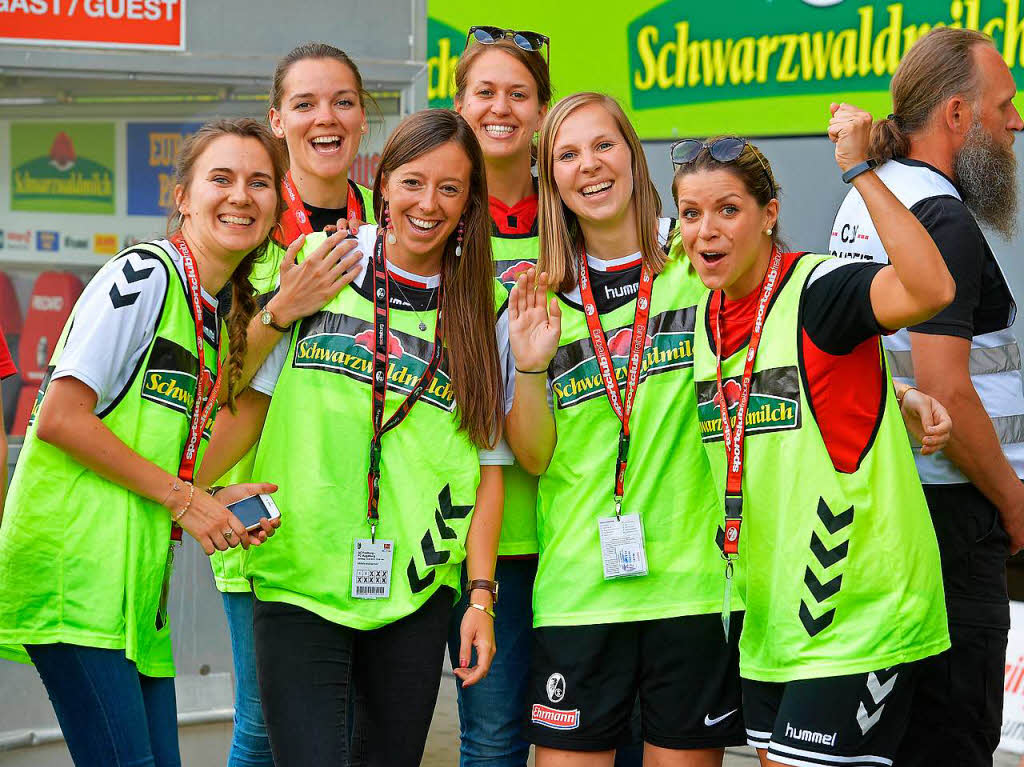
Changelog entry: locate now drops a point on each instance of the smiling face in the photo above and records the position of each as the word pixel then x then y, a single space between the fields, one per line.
pixel 229 203
pixel 426 198
pixel 723 230
pixel 592 166
pixel 501 104
pixel 320 118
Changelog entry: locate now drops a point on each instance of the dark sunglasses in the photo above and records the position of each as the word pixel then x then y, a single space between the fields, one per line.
pixel 524 39
pixel 723 150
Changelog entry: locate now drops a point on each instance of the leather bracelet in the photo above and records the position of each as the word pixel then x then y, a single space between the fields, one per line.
pixel 861 167
pixel 188 503
pixel 482 608
pixel 491 587
pixel 532 372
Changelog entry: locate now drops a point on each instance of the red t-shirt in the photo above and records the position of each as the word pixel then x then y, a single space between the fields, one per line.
pixel 515 219
pixel 840 349
pixel 7 368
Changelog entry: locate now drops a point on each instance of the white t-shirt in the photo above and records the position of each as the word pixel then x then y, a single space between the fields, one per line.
pixel 116 318
pixel 266 377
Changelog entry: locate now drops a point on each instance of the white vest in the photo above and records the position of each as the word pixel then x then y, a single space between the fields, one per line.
pixel 995 356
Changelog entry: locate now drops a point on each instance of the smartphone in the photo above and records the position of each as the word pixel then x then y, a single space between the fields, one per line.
pixel 254 508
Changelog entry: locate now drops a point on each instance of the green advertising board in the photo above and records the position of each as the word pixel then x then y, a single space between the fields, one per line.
pixel 752 67
pixel 62 167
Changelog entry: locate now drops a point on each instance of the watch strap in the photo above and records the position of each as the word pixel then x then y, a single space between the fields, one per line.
pixel 861 167
pixel 486 585
pixel 272 323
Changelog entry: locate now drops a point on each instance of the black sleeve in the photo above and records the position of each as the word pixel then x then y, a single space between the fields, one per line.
pixel 962 246
pixel 837 313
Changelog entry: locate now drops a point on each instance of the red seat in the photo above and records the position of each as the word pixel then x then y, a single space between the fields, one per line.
pixel 10 326
pixel 53 297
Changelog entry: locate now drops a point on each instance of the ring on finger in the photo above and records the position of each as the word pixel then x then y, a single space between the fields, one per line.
pixel 228 534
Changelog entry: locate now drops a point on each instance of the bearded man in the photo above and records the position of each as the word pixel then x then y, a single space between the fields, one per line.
pixel 947 153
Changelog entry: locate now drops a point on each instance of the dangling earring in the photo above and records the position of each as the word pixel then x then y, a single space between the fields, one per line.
pixel 387 225
pixel 458 238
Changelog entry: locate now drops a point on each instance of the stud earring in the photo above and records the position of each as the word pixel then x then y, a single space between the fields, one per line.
pixel 458 238
pixel 387 225
pixel 768 232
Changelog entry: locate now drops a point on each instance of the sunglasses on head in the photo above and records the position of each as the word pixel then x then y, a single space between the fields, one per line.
pixel 524 39
pixel 723 150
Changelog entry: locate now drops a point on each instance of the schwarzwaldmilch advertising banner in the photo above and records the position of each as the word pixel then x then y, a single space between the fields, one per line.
pixel 751 67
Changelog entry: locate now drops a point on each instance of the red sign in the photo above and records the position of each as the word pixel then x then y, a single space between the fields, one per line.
pixel 153 24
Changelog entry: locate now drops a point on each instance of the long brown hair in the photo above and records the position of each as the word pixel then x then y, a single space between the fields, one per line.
pixel 751 167
pixel 938 67
pixel 467 322
pixel 243 301
pixel 560 234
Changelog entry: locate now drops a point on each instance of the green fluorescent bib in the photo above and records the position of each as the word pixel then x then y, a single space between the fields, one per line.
pixel 668 480
pixel 513 256
pixel 82 559
pixel 266 276
pixel 315 445
pixel 842 570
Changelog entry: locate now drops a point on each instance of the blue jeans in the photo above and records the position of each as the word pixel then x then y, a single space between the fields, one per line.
pixel 250 746
pixel 110 714
pixel 491 712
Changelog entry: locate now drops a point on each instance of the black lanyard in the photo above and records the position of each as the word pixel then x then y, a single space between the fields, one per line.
pixel 381 303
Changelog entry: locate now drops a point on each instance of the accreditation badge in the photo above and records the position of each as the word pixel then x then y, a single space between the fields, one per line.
pixel 622 546
pixel 371 568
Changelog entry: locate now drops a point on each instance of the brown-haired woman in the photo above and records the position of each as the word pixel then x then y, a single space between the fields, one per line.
pixel 117 434
pixel 317 108
pixel 628 598
pixel 406 365
pixel 502 89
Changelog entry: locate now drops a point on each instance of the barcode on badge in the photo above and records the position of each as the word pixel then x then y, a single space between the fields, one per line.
pixel 370 591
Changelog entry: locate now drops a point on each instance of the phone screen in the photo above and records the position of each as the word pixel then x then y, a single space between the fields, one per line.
pixel 249 511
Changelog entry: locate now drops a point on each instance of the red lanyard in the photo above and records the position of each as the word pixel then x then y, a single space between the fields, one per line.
pixel 206 390
pixel 295 220
pixel 637 344
pixel 733 436
pixel 381 344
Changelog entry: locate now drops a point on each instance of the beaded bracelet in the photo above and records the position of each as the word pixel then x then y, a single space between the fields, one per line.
pixel 188 503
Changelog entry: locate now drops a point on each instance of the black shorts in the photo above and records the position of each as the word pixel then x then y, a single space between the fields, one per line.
pixel 958 704
pixel 855 720
pixel 586 679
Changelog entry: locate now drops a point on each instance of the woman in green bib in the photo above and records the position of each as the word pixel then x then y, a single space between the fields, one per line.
pixel 376 412
pixel 627 600
pixel 823 511
pixel 120 425
pixel 502 89
pixel 318 110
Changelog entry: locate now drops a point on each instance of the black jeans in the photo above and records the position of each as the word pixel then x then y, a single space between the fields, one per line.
pixel 957 709
pixel 311 670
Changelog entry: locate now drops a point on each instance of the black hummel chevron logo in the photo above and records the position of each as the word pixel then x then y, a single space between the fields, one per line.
pixel 815 626
pixel 825 556
pixel 446 532
pixel 444 500
pixel 432 556
pixel 416 584
pixel 834 522
pixel 120 301
pixel 821 591
pixel 133 275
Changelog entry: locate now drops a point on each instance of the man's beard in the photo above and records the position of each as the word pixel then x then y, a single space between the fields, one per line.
pixel 986 173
